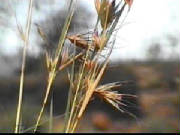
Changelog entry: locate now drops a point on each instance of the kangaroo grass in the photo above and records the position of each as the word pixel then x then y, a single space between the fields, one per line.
pixel 85 82
pixel 88 67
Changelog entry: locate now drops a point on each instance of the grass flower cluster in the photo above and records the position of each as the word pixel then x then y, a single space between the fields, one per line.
pixel 85 68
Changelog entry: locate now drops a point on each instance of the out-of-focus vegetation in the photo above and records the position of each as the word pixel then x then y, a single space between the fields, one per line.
pixel 157 107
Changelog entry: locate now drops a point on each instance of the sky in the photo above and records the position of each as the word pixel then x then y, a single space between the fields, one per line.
pixel 146 21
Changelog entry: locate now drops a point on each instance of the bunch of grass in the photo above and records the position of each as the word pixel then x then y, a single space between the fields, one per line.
pixel 60 60
pixel 84 79
pixel 84 83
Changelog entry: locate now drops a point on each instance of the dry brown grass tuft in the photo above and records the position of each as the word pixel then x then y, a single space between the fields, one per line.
pixel 86 77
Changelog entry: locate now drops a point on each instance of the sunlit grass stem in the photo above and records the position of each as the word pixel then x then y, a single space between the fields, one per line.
pixel 26 42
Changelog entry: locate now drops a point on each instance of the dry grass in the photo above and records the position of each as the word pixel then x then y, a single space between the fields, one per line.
pixel 26 42
pixel 84 80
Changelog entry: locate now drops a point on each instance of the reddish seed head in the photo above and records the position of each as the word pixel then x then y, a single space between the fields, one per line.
pixel 129 2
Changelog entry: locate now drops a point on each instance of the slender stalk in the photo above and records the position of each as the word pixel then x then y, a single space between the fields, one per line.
pixel 67 128
pixel 86 100
pixel 69 93
pixel 26 42
pixel 50 81
pixel 53 72
pixel 51 115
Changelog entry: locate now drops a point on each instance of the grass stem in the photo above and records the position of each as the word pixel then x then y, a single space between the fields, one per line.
pixel 26 42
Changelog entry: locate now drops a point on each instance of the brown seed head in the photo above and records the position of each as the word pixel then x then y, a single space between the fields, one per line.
pixel 78 41
pixel 105 10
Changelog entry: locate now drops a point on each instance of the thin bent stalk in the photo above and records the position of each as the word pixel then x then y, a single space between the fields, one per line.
pixel 69 93
pixel 50 81
pixel 52 74
pixel 67 127
pixel 45 121
pixel 26 41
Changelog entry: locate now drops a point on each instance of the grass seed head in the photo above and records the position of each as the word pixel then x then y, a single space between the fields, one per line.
pixel 106 12
pixel 106 93
pixel 129 2
pixel 78 41
pixel 97 5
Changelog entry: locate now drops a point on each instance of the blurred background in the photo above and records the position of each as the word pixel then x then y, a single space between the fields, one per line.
pixel 146 52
